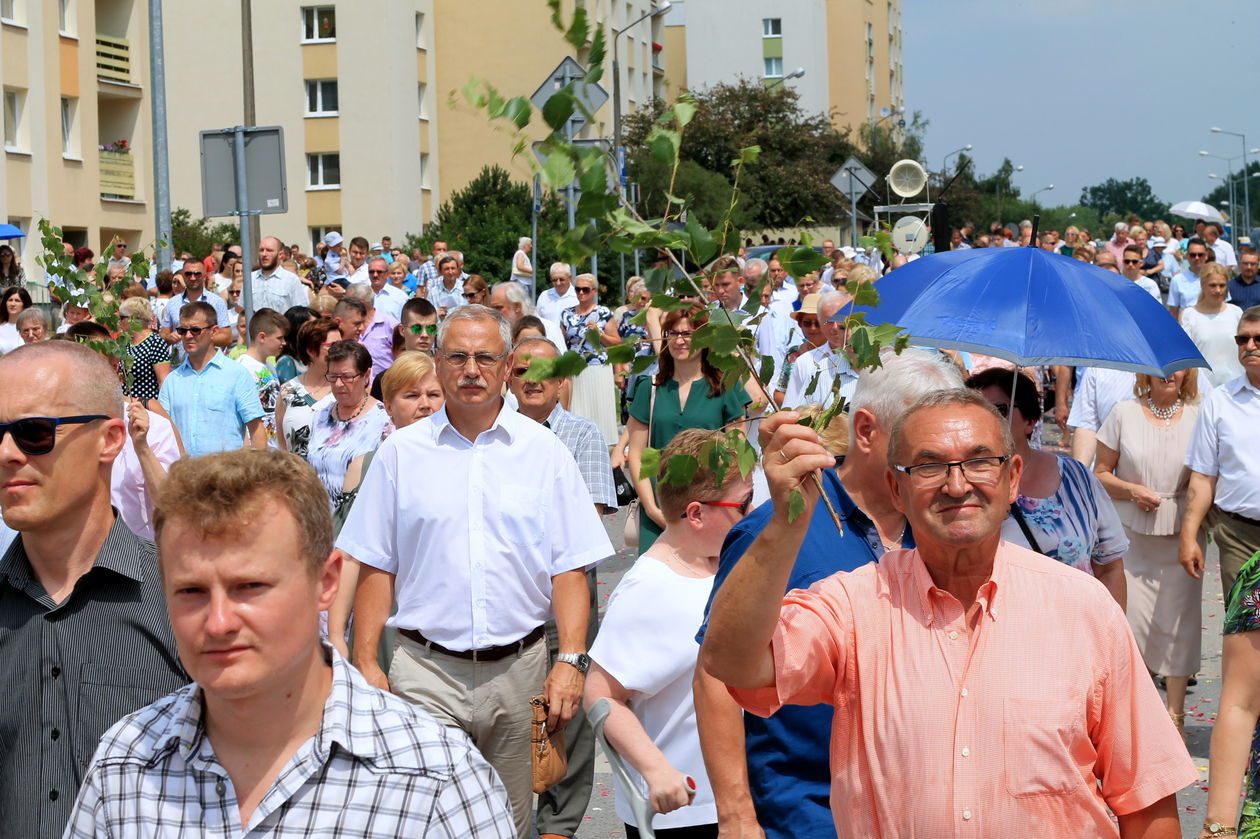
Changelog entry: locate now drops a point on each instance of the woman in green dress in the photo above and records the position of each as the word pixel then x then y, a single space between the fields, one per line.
pixel 685 393
pixel 1234 767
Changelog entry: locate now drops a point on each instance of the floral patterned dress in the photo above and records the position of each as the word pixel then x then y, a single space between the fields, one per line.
pixel 334 444
pixel 575 329
pixel 1242 614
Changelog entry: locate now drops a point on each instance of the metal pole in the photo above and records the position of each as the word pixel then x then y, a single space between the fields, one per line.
pixel 1246 189
pixel 533 237
pixel 161 159
pixel 619 154
pixel 852 211
pixel 242 211
pixel 250 118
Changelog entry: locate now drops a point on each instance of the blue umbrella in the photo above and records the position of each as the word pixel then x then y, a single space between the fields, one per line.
pixel 1032 307
pixel 10 231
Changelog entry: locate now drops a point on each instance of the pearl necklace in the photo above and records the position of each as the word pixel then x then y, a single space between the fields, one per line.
pixel 1166 414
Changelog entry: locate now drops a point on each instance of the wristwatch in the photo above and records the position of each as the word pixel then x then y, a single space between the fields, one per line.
pixel 1218 829
pixel 581 661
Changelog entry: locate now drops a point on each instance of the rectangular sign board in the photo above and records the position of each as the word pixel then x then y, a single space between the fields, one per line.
pixel 265 185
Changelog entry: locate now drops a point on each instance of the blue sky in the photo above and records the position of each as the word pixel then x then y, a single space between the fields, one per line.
pixel 1080 91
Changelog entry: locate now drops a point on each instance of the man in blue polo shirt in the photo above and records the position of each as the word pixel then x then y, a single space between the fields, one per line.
pixel 212 400
pixel 785 786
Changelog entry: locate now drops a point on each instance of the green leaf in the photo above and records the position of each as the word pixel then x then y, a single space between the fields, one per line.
pixel 680 469
pixel 558 171
pixel 566 366
pixel 684 111
pixel 656 279
pixel 649 463
pixel 641 364
pixel 519 111
pixel 577 32
pixel 703 248
pixel 747 458
pixel 595 57
pixel 474 96
pixel 719 338
pixel 767 370
pixel 621 353
pixel 558 109
pixel 799 261
pixel 664 146
pixel 796 505
pixel 809 390
pixel 749 154
pixel 865 351
pixel 669 303
pixel 863 293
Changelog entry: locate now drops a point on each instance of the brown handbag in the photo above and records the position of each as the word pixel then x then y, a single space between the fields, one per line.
pixel 550 763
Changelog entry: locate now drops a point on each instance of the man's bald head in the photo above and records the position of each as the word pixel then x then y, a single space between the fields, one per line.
pixel 85 382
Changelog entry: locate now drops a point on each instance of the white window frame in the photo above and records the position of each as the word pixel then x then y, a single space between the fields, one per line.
pixel 317 87
pixel 318 234
pixel 767 68
pixel 65 18
pixel 9 11
pixel 769 25
pixel 317 182
pixel 14 101
pixel 421 42
pixel 310 24
pixel 70 128
pixel 424 170
pixel 422 95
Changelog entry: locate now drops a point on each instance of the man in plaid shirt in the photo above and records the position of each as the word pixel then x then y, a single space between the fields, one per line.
pixel 278 736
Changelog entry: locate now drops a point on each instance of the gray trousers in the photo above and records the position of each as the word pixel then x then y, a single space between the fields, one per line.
pixel 1237 541
pixel 561 808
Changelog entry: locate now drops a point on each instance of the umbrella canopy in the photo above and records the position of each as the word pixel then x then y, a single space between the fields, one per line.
pixel 1197 210
pixel 10 231
pixel 1032 307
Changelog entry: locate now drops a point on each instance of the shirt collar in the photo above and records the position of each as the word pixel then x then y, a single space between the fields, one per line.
pixel 557 415
pixel 216 360
pixel 121 553
pixel 986 594
pixel 1236 386
pixel 506 423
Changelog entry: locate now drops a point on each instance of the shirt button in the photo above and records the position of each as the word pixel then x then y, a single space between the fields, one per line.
pixel 966 815
pixel 55 733
pixel 953 635
pixel 56 671
pixel 966 751
pixel 219 788
pixel 964 691
pixel 53 795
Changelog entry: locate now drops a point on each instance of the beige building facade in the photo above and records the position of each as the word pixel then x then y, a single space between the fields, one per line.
pixel 74 75
pixel 849 50
pixel 377 130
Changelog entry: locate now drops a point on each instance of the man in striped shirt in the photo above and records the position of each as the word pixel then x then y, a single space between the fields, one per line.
pixel 85 637
pixel 278 736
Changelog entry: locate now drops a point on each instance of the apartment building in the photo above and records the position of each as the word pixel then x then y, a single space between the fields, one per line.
pixel 77 132
pixel 850 51
pixel 369 93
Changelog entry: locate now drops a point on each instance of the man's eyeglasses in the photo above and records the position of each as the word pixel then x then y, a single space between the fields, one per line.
pixel 423 328
pixel 484 360
pixel 977 470
pixel 370 271
pixel 193 275
pixel 671 334
pixel 38 435
pixel 1197 254
pixel 181 331
pixel 1003 408
pixel 1244 340
pixel 347 378
pixel 236 292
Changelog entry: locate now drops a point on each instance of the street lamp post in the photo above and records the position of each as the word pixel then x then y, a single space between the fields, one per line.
pixel 1229 168
pixel 795 74
pixel 618 150
pixel 1246 190
pixel 1033 197
pixel 1230 191
pixel 945 162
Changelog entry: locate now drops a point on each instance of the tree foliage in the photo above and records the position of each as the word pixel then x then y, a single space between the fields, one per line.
pixel 197 236
pixel 1219 197
pixel 1121 198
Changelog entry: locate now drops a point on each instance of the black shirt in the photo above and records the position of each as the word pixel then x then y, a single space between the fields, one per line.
pixel 71 670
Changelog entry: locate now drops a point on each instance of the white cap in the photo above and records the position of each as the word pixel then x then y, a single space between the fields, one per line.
pixel 332 239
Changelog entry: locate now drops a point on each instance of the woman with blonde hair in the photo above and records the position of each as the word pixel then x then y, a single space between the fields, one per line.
pixel 1140 463
pixel 1212 323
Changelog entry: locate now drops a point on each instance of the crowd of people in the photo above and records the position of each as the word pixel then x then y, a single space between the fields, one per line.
pixel 304 570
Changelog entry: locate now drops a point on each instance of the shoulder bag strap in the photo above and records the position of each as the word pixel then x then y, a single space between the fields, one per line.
pixel 1023 526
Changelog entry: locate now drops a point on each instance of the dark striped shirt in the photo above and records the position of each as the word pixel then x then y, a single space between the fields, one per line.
pixel 70 670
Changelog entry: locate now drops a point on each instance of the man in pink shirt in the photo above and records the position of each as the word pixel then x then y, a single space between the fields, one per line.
pixel 981 690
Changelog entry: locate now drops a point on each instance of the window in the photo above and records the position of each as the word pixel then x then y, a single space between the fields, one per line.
pixel 319 23
pixel 420 44
pixel 324 171
pixel 8 11
pixel 774 68
pixel 321 97
pixel 318 234
pixel 771 27
pixel 13 101
pixel 65 18
pixel 424 171
pixel 69 127
pixel 423 91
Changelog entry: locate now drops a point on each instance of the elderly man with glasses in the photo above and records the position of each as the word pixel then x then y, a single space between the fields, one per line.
pixel 478 558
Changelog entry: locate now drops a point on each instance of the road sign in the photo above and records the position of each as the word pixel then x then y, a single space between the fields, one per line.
pixel 266 188
pixel 590 96
pixel 853 178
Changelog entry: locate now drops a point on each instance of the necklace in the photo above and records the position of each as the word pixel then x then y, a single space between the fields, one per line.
pixel 337 410
pixel 683 568
pixel 896 543
pixel 1165 414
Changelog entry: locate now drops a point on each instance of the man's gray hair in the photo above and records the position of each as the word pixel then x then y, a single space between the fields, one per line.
pixel 459 255
pixel 515 293
pixel 833 298
pixel 33 313
pixel 475 311
pixel 954 397
pixel 755 267
pixel 562 267
pixel 886 391
pixel 93 386
pixel 379 259
pixel 1250 315
pixel 363 293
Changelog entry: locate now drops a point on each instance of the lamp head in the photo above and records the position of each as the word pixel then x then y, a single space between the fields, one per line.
pixel 662 9
pixel 1216 129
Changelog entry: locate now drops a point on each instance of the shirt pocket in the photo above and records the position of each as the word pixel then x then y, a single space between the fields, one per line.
pixel 1038 738
pixel 519 513
pixel 107 694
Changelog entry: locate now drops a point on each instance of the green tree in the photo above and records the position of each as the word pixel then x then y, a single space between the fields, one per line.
pixel 196 237
pixel 1219 197
pixel 1116 197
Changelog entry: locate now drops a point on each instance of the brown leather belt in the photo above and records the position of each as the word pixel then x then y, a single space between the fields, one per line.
pixel 485 654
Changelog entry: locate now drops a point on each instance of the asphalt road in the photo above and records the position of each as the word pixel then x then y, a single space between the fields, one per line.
pixel 601 821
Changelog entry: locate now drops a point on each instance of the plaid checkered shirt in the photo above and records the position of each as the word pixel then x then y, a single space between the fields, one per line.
pixel 378 767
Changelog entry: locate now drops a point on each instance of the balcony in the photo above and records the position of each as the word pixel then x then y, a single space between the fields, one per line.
pixel 113 59
pixel 118 175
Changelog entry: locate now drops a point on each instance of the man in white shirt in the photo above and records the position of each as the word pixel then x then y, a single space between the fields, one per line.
pixel 1183 292
pixel 1224 251
pixel 1224 462
pixel 274 286
pixel 389 299
pixel 560 296
pixel 478 559
pixel 783 292
pixel 447 294
pixel 1132 270
pixel 356 270
pixel 815 373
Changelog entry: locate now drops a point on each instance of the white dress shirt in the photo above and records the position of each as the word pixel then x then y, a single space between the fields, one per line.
pixel 280 290
pixel 1098 391
pixel 828 365
pixel 550 304
pixel 1224 253
pixel 359 276
pixel 390 300
pixel 127 489
pixel 1225 445
pixel 476 536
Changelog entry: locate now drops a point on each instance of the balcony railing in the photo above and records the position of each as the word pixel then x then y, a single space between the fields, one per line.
pixel 118 175
pixel 113 59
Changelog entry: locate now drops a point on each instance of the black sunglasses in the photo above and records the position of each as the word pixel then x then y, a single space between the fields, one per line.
pixel 38 435
pixel 181 331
